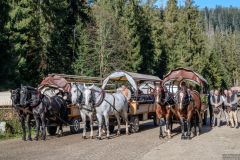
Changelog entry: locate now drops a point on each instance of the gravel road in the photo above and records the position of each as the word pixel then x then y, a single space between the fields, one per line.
pixel 143 145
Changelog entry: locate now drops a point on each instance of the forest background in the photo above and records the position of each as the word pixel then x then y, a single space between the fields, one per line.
pixel 95 37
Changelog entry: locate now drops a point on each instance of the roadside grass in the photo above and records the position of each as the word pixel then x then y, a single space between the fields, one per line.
pixel 13 127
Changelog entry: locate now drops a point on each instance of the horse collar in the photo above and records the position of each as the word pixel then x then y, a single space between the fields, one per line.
pixel 102 94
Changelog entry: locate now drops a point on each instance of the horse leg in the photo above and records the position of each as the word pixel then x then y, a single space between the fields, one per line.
pixel 189 124
pixel 181 124
pixel 119 123
pixel 182 128
pixel 83 115
pixel 106 117
pixel 161 124
pixel 42 116
pixel 167 123
pixel 37 127
pixel 60 129
pixel 29 128
pixel 199 123
pixel 125 115
pixel 91 124
pixel 99 117
pixel 22 119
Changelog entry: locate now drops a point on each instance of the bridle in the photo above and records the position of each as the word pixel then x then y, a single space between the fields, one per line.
pixel 101 93
pixel 79 96
pixel 185 101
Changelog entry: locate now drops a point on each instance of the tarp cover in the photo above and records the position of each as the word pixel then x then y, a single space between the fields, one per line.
pixel 185 74
pixel 56 81
pixel 131 77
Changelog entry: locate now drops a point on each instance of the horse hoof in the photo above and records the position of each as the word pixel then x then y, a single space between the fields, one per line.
pixel 29 139
pixel 161 137
pixel 91 137
pixel 35 139
pixel 43 138
pixel 84 137
pixel 127 133
pixel 99 138
pixel 108 137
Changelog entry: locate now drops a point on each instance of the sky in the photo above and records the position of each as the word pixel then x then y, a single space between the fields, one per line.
pixel 208 3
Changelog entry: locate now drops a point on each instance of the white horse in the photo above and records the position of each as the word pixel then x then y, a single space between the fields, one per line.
pixel 85 110
pixel 106 104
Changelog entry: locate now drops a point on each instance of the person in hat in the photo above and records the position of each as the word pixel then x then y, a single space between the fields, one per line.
pixel 231 104
pixel 216 102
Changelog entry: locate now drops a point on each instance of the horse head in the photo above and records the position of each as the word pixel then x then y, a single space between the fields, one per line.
pixel 77 93
pixel 88 94
pixel 29 96
pixel 24 95
pixel 182 99
pixel 15 96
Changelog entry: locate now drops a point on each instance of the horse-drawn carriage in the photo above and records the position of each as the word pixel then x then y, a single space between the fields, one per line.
pixel 141 102
pixel 59 84
pixel 180 83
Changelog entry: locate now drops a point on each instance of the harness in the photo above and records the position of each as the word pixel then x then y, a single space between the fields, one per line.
pixel 102 94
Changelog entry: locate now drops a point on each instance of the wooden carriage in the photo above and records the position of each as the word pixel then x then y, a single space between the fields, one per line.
pixel 63 82
pixel 141 104
pixel 174 77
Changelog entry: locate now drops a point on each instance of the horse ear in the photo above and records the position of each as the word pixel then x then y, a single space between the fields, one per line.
pixel 91 86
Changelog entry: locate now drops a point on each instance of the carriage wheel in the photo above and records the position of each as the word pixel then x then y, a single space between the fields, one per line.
pixel 51 130
pixel 75 126
pixel 134 124
pixel 156 121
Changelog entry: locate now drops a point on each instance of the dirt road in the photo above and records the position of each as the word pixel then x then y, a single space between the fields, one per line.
pixel 143 145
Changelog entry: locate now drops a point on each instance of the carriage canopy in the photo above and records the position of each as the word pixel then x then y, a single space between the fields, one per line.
pixel 131 77
pixel 184 74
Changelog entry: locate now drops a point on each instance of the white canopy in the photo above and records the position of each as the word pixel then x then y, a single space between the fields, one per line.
pixel 131 77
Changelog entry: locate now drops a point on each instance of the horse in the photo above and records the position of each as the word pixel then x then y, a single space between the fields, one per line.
pixel 105 104
pixel 24 113
pixel 184 110
pixel 85 110
pixel 44 108
pixel 163 102
pixel 198 111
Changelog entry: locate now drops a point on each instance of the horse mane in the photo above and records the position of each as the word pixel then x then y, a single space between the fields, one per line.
pixel 96 88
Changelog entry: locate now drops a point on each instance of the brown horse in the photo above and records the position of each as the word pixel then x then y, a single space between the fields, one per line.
pixel 163 104
pixel 184 109
pixel 188 110
pixel 198 112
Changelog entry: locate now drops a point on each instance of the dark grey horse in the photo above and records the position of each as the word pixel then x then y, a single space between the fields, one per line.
pixel 24 113
pixel 44 108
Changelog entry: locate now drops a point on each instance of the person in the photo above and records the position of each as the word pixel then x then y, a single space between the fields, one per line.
pixel 210 107
pixel 216 102
pixel 231 103
pixel 224 97
pixel 126 92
